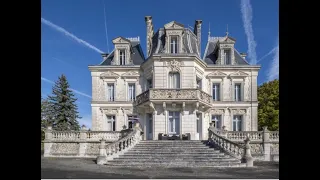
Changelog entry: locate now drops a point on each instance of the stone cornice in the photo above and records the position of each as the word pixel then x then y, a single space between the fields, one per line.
pixel 104 68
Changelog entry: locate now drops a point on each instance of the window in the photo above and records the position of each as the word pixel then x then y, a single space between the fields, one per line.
pixel 174 80
pixel 216 120
pixel 122 57
pixel 131 120
pixel 131 92
pixel 111 123
pixel 237 123
pixel 237 92
pixel 149 83
pixel 150 123
pixel 174 118
pixel 110 92
pixel 216 92
pixel 199 84
pixel 174 44
pixel 227 57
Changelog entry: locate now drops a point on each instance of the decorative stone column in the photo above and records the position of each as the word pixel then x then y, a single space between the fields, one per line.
pixel 83 143
pixel 247 158
pixel 48 141
pixel 266 144
pixel 102 158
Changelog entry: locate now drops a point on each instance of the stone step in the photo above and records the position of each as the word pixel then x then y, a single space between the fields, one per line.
pixel 174 148
pixel 166 159
pixel 143 153
pixel 129 156
pixel 178 164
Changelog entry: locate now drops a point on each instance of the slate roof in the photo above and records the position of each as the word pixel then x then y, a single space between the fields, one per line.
pixel 210 57
pixel 137 55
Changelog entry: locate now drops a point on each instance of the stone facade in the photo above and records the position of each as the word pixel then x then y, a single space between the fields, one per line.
pixel 175 90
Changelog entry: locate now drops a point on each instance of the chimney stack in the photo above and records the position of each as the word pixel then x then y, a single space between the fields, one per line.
pixel 243 55
pixel 197 32
pixel 148 20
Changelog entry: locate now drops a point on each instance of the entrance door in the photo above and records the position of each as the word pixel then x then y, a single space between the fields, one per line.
pixel 174 122
pixel 149 123
pixel 199 126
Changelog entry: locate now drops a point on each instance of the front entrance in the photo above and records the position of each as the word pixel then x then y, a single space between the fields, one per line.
pixel 199 127
pixel 174 123
pixel 149 123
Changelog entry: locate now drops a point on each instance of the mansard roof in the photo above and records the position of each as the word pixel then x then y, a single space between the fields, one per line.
pixel 137 54
pixel 210 56
pixel 189 41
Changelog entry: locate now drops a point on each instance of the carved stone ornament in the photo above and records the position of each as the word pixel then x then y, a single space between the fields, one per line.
pixel 174 65
pixel 239 74
pixel 239 111
pixel 216 74
pixel 109 74
pixel 130 74
pixel 110 111
pixel 217 111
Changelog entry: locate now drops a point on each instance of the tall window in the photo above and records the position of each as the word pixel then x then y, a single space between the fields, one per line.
pixel 131 92
pixel 122 57
pixel 237 92
pixel 174 44
pixel 110 92
pixel 131 120
pixel 149 83
pixel 237 123
pixel 111 123
pixel 216 92
pixel 216 120
pixel 174 80
pixel 173 124
pixel 199 84
pixel 227 56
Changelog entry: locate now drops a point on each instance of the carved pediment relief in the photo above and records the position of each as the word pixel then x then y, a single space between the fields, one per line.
pixel 120 40
pixel 173 25
pixel 217 111
pixel 216 74
pixel 174 65
pixel 129 74
pixel 109 74
pixel 238 111
pixel 239 74
pixel 228 39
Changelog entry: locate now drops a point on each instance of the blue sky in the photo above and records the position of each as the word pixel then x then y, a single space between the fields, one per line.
pixel 73 34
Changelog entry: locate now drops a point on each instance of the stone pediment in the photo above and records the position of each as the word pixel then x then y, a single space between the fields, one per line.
pixel 239 74
pixel 130 74
pixel 120 40
pixel 228 40
pixel 109 74
pixel 216 74
pixel 173 25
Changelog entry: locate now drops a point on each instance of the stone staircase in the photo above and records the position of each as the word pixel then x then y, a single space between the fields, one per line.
pixel 174 154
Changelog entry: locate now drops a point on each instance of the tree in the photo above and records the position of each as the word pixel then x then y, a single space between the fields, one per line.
pixel 47 113
pixel 268 109
pixel 64 107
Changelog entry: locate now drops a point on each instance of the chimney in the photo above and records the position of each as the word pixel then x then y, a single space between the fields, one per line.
pixel 243 55
pixel 148 20
pixel 104 56
pixel 197 32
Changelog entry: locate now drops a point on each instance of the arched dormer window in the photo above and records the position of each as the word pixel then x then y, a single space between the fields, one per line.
pixel 174 80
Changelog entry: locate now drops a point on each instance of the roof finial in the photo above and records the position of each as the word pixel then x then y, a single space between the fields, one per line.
pixel 209 31
pixel 227 33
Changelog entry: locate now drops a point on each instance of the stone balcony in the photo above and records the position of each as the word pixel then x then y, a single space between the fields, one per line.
pixel 186 96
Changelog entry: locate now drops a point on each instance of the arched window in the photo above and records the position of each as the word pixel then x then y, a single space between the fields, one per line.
pixel 174 80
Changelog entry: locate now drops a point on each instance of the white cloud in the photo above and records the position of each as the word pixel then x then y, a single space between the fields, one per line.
pixel 246 11
pixel 266 55
pixel 65 32
pixel 273 72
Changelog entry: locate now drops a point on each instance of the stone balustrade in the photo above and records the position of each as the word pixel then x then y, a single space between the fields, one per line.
pixel 264 144
pixel 241 152
pixel 174 95
pixel 110 151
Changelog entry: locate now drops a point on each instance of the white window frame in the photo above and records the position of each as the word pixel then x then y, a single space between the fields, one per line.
pixel 172 79
pixel 218 118
pixel 122 57
pixel 227 53
pixel 112 119
pixel 199 85
pixel 110 97
pixel 214 93
pixel 175 120
pixel 235 120
pixel 132 93
pixel 240 93
pixel 131 120
pixel 174 46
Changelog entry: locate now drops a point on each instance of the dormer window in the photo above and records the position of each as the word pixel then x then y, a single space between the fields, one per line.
pixel 227 57
pixel 122 57
pixel 174 44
